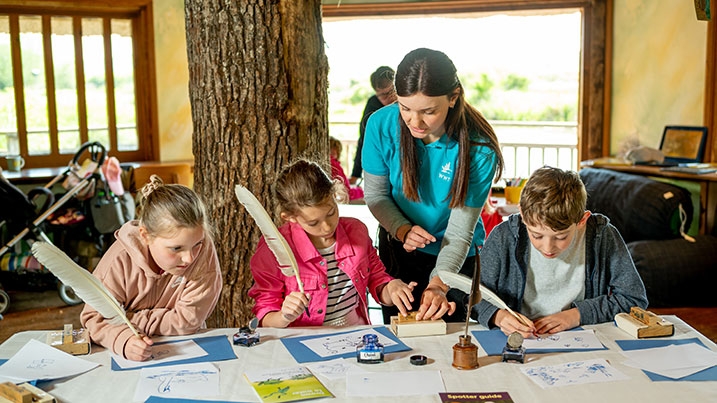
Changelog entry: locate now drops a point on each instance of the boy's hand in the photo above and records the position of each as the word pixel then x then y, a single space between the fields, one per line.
pixel 398 293
pixel 558 322
pixel 416 237
pixel 293 306
pixel 138 349
pixel 509 324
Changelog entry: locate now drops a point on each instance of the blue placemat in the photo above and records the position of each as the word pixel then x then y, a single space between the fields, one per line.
pixel 302 354
pixel 217 347
pixel 493 342
pixel 709 374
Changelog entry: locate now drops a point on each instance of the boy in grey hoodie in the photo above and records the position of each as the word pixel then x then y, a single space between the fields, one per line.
pixel 556 264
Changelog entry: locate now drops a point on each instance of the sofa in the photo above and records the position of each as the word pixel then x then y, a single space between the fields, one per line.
pixel 653 217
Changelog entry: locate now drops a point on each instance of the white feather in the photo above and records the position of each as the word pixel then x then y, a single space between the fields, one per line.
pixel 83 283
pixel 463 283
pixel 276 242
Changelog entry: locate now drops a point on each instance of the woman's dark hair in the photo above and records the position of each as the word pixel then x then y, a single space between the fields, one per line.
pixel 432 73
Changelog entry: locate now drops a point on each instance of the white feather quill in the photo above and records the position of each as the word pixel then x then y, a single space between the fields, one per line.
pixel 276 242
pixel 463 283
pixel 83 283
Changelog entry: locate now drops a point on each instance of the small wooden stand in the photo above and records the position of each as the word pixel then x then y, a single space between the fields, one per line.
pixel 644 324
pixel 408 326
pixel 75 342
pixel 465 353
pixel 23 393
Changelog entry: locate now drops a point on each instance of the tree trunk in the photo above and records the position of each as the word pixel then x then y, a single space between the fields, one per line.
pixel 258 90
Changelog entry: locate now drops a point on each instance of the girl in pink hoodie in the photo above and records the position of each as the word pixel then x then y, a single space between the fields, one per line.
pixel 336 258
pixel 163 269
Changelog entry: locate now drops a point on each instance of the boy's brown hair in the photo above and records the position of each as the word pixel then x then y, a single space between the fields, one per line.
pixel 553 198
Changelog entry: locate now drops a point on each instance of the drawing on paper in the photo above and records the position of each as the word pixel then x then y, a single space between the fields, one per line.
pixel 185 377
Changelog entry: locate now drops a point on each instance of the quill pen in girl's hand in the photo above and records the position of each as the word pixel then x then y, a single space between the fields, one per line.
pixel 463 283
pixel 83 283
pixel 274 240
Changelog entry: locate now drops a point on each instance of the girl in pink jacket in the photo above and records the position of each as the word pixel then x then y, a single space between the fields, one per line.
pixel 163 269
pixel 336 258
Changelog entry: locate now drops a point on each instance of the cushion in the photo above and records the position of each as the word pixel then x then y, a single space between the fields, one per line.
pixel 639 207
pixel 677 272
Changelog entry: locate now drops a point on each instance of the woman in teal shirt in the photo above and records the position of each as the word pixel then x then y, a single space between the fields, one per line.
pixel 429 162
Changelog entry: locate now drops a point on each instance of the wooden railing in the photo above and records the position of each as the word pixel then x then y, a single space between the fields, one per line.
pixel 526 146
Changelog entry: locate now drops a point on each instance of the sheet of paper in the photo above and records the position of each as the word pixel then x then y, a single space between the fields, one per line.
pixel 570 340
pixel 573 373
pixel 403 383
pixel 37 360
pixel 341 343
pixel 165 352
pixel 334 369
pixel 186 380
pixel 673 361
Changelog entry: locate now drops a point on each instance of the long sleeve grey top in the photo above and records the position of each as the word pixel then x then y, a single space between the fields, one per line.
pixel 612 283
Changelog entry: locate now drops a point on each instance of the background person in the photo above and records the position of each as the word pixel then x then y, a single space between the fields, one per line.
pixel 385 94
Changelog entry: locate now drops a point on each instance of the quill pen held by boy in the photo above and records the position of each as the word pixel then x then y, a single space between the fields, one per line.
pixel 83 283
pixel 276 242
pixel 465 284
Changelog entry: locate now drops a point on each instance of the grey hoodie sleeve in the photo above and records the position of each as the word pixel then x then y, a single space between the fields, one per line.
pixel 614 284
pixel 377 194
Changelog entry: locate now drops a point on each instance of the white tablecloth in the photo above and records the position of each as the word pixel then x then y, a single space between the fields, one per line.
pixel 103 384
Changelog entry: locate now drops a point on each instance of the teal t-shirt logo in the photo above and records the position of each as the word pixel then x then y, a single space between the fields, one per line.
pixel 446 172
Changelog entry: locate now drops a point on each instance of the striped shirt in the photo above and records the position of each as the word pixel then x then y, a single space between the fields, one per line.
pixel 343 297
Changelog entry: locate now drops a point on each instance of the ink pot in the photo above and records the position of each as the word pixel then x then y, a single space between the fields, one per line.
pixel 369 351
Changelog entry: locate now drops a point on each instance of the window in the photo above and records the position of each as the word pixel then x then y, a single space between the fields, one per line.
pixel 74 73
pixel 592 109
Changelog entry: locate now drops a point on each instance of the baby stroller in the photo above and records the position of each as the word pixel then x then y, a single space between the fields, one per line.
pixel 22 215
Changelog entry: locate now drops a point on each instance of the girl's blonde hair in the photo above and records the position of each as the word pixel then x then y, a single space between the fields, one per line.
pixel 165 208
pixel 304 183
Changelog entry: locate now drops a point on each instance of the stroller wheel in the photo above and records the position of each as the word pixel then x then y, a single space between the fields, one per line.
pixel 4 302
pixel 67 294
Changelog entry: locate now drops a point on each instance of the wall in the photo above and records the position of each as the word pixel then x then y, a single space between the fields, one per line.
pixel 659 50
pixel 658 70
pixel 175 115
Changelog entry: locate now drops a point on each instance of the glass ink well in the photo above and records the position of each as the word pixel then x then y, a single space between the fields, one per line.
pixel 514 350
pixel 369 351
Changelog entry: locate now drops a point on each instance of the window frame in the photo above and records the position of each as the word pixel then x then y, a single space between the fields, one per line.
pixel 140 14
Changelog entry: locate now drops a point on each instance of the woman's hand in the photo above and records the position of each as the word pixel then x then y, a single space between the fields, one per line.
pixel 434 303
pixel 558 322
pixel 509 324
pixel 415 237
pixel 138 348
pixel 398 293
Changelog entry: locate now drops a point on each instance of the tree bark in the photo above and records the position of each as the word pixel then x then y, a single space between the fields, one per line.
pixel 258 91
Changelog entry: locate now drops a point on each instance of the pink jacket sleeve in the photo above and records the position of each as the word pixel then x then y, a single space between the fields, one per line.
pixel 269 288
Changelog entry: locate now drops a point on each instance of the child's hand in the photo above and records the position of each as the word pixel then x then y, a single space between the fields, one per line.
pixel 293 306
pixel 509 324
pixel 558 322
pixel 399 294
pixel 138 349
pixel 417 237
